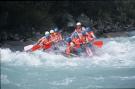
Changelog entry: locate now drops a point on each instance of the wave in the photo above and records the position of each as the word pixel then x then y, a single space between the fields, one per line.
pixel 116 52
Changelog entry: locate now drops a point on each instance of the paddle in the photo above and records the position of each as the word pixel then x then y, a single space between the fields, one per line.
pixel 88 51
pixel 98 43
pixel 32 47
pixel 27 48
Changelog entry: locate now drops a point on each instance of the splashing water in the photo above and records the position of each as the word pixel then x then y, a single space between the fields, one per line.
pixel 112 66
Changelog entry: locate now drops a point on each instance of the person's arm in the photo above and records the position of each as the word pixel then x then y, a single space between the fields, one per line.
pixel 72 34
pixel 89 39
pixel 83 28
pixel 72 44
pixel 60 36
pixel 92 34
pixel 82 41
pixel 68 51
pixel 39 41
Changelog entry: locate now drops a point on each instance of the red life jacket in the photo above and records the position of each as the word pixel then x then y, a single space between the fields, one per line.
pixel 56 37
pixel 47 43
pixel 77 42
pixel 83 39
pixel 86 38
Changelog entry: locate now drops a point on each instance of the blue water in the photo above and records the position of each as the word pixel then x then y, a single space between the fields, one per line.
pixel 112 66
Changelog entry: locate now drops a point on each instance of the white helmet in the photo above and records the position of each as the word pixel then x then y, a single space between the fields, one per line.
pixel 78 23
pixel 51 31
pixel 47 33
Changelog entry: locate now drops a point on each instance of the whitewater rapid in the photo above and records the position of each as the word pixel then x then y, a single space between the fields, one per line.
pixel 112 66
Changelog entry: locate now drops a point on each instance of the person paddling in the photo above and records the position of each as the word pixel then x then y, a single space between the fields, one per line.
pixel 78 29
pixel 70 45
pixel 76 44
pixel 90 33
pixel 58 35
pixel 47 42
pixel 43 43
pixel 86 43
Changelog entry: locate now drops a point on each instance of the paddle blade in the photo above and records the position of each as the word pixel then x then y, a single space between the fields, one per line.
pixel 98 43
pixel 88 51
pixel 26 48
pixel 68 51
pixel 35 47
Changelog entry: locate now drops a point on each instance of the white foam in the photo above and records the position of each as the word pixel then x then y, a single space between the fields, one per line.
pixel 18 58
pixel 123 77
pixel 115 52
pixel 63 82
